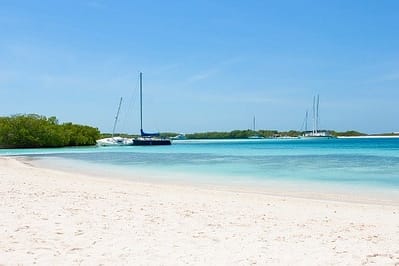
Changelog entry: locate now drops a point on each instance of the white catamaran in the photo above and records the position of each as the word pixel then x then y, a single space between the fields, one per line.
pixel 315 133
pixel 115 140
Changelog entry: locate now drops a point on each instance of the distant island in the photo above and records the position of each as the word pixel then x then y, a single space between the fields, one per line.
pixel 37 131
pixel 245 134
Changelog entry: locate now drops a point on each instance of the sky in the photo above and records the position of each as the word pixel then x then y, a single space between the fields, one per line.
pixel 207 65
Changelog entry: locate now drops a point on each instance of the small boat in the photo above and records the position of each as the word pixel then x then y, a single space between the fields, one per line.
pixel 115 140
pixel 147 139
pixel 179 137
pixel 254 130
pixel 315 133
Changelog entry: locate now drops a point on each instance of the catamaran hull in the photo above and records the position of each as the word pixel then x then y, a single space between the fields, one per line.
pixel 317 137
pixel 117 141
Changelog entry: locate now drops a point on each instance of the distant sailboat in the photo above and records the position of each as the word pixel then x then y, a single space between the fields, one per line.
pixel 315 133
pixel 115 141
pixel 147 139
pixel 254 130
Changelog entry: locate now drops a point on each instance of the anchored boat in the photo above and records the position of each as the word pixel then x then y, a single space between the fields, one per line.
pixel 315 133
pixel 147 139
pixel 115 140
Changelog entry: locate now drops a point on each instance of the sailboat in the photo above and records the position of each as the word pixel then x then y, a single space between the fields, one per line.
pixel 254 130
pixel 315 133
pixel 115 140
pixel 147 139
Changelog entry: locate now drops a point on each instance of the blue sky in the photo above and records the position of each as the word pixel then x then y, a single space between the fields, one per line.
pixel 208 65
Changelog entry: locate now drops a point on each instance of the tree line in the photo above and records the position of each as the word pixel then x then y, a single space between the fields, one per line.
pixel 36 131
pixel 244 134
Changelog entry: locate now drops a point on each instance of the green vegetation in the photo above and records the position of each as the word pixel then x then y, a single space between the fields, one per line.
pixel 35 131
pixel 242 134
pixel 350 133
pixel 123 135
pixel 391 134
pixel 168 134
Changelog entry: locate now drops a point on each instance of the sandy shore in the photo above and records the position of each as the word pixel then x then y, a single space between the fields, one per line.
pixel 53 217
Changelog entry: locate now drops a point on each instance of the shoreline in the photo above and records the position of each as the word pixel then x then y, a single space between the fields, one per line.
pixel 55 217
pixel 370 137
pixel 288 188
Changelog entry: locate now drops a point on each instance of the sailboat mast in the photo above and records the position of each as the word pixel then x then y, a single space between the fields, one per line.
pixel 306 121
pixel 254 124
pixel 141 102
pixel 317 113
pixel 116 117
pixel 314 116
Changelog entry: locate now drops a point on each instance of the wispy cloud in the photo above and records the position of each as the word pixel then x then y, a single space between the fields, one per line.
pixel 261 99
pixel 237 97
pixel 393 76
pixel 204 75
pixel 214 70
pixel 161 69
pixel 96 4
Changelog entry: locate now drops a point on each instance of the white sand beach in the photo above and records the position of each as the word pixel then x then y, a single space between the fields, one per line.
pixel 53 217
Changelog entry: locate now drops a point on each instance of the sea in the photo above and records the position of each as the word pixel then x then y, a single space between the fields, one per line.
pixel 346 164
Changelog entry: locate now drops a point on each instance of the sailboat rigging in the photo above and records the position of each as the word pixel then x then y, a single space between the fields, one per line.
pixel 115 141
pixel 116 117
pixel 254 130
pixel 315 133
pixel 147 139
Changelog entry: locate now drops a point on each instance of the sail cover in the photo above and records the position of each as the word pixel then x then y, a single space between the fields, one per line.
pixel 143 134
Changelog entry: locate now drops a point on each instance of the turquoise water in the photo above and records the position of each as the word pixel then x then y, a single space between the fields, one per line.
pixel 352 162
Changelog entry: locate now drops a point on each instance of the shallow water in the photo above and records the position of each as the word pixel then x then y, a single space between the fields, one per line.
pixel 352 163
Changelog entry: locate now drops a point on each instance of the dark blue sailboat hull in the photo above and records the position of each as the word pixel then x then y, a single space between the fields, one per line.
pixel 151 142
